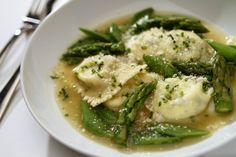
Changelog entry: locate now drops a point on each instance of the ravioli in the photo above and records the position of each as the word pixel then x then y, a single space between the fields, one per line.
pixel 102 76
pixel 172 45
pixel 179 98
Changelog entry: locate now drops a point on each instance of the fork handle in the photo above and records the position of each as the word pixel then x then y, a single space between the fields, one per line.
pixel 15 36
pixel 8 92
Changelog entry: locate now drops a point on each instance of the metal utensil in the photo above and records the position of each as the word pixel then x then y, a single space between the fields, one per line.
pixel 38 11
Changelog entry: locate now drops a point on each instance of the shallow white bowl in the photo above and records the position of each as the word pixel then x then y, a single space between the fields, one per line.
pixel 60 30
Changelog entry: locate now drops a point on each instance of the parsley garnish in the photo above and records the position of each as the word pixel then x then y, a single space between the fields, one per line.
pixel 63 93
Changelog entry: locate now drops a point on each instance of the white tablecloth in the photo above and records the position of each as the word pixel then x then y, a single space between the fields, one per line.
pixel 20 135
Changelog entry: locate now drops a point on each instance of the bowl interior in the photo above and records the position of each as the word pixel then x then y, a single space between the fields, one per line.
pixel 61 29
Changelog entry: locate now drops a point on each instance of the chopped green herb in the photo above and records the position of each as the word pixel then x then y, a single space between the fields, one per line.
pixel 113 85
pixel 93 71
pixel 100 95
pixel 114 78
pixel 63 93
pixel 100 65
pixel 167 87
pixel 83 68
pixel 128 49
pixel 186 43
pixel 66 115
pixel 164 100
pixel 143 47
pixel 173 89
pixel 99 75
pixel 54 77
pixel 168 96
pixel 173 39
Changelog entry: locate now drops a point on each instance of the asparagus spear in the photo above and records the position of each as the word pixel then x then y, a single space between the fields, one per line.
pixel 221 84
pixel 149 138
pixel 77 53
pixel 228 51
pixel 132 104
pixel 135 101
pixel 169 23
pixel 115 33
pixel 191 68
pixel 175 130
pixel 160 65
pixel 163 133
pixel 96 35
pixel 145 13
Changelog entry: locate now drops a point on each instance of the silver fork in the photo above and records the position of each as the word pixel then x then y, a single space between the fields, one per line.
pixel 38 10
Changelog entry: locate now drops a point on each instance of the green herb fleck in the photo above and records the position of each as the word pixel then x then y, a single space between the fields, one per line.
pixel 186 43
pixel 93 71
pixel 181 93
pixel 168 96
pixel 114 78
pixel 173 39
pixel 143 47
pixel 100 65
pixel 63 93
pixel 99 75
pixel 83 68
pixel 54 77
pixel 167 86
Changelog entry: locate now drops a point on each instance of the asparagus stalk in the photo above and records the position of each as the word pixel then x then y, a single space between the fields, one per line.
pixel 145 13
pixel 96 35
pixel 77 53
pixel 176 130
pixel 221 84
pixel 169 23
pixel 132 105
pixel 193 68
pixel 228 51
pixel 163 133
pixel 160 65
pixel 115 33
pixel 148 138
pixel 135 101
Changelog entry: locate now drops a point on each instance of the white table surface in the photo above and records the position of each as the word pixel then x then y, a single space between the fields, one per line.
pixel 20 134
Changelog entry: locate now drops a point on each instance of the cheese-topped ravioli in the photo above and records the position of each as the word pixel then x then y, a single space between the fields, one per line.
pixel 173 45
pixel 102 76
pixel 180 98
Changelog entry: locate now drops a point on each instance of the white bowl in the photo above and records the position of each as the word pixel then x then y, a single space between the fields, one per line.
pixel 60 30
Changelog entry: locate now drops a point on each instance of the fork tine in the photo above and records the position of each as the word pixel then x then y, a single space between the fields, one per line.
pixel 33 9
pixel 40 9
